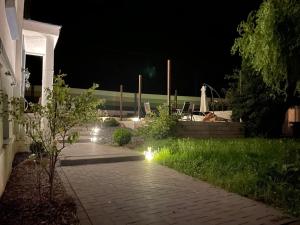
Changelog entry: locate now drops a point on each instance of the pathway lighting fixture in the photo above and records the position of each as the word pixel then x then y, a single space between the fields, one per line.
pixel 95 130
pixel 94 139
pixel 135 119
pixel 149 154
pixel 105 118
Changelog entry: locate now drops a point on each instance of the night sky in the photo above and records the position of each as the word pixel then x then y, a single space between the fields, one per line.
pixel 112 42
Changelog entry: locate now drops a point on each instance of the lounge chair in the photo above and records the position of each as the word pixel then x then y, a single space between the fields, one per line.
pixel 148 110
pixel 186 111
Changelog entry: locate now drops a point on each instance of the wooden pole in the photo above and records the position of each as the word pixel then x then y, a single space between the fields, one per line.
pixel 200 101
pixel 121 102
pixel 240 83
pixel 140 96
pixel 169 84
pixel 135 102
pixel 175 99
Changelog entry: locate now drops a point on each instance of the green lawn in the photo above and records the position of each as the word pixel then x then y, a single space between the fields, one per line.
pixel 262 169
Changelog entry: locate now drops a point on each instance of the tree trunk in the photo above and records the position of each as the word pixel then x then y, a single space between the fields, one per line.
pixel 51 176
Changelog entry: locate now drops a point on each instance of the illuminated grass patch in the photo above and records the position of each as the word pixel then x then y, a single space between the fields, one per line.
pixel 262 169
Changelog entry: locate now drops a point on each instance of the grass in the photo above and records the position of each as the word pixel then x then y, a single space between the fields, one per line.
pixel 262 169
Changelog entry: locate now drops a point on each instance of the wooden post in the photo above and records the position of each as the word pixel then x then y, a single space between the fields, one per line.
pixel 121 102
pixel 175 99
pixel 240 83
pixel 200 101
pixel 140 96
pixel 135 103
pixel 169 84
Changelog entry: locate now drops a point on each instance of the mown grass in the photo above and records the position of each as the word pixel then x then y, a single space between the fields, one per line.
pixel 262 169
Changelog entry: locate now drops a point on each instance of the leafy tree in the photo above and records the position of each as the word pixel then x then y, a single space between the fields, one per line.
pixel 269 45
pixel 270 42
pixel 51 125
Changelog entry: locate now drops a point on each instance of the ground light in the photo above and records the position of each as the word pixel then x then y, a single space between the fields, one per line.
pixel 94 139
pixel 95 130
pixel 135 119
pixel 149 154
pixel 105 118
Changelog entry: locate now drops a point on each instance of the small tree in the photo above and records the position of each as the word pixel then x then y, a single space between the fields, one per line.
pixel 51 125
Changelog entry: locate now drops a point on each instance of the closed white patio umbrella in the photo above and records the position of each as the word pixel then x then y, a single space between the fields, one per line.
pixel 203 101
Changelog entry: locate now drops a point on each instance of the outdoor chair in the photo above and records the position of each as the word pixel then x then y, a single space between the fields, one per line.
pixel 186 111
pixel 147 108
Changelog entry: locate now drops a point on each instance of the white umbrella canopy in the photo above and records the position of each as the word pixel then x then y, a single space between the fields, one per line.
pixel 203 100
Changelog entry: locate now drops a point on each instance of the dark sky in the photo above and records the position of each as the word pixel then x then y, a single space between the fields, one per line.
pixel 112 42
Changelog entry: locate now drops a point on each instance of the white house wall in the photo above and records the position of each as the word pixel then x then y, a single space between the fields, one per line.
pixel 13 51
pixel 19 49
pixel 9 44
pixel 40 39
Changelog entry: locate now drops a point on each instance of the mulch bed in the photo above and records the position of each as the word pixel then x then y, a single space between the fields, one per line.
pixel 20 204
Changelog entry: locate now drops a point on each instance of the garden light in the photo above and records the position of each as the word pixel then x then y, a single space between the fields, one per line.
pixel 95 130
pixel 105 118
pixel 149 154
pixel 135 119
pixel 94 139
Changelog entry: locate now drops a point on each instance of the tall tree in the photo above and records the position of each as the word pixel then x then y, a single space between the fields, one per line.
pixel 270 43
pixel 266 83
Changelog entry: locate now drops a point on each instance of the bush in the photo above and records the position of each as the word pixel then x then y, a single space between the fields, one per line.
pixel 256 104
pixel 159 126
pixel 110 122
pixel 37 149
pixel 122 136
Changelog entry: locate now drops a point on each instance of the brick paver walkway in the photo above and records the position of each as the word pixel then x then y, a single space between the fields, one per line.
pixel 141 192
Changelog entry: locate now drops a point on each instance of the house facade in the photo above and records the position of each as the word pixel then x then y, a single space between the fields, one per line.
pixel 18 38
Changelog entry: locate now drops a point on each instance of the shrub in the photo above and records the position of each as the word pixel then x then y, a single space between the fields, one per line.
pixel 110 122
pixel 37 149
pixel 122 136
pixel 159 126
pixel 255 103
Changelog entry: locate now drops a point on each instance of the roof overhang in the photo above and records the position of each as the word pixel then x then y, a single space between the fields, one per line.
pixel 12 19
pixel 35 36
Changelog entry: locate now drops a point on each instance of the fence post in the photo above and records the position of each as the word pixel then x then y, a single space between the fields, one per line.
pixel 175 99
pixel 169 84
pixel 121 102
pixel 140 96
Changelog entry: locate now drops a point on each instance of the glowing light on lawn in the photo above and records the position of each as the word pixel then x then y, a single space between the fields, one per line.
pixel 149 154
pixel 135 119
pixel 95 130
pixel 94 139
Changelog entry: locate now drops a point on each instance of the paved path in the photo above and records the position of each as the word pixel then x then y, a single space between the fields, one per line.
pixel 141 192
